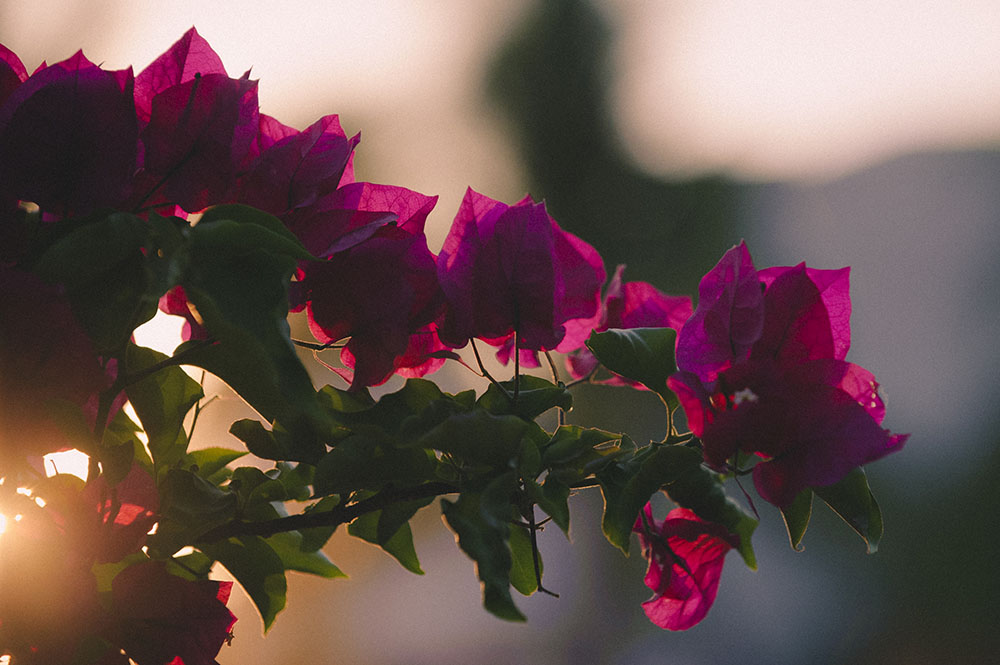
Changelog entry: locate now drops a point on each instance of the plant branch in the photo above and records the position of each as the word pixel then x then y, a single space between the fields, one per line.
pixel 327 518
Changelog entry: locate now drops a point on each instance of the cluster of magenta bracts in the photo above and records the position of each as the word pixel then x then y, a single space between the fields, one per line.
pixel 761 361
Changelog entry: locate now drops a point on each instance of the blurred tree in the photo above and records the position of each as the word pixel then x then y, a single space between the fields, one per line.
pixel 551 82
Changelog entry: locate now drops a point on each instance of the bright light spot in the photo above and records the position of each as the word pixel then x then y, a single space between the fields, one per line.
pixel 40 502
pixel 130 412
pixel 3 527
pixel 161 333
pixel 24 491
pixel 70 461
pixel 184 551
pixel 4 660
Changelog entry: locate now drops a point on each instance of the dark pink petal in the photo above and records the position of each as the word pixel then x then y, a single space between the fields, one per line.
pixel 728 320
pixel 12 73
pixel 355 212
pixel 198 137
pixel 424 354
pixel 46 362
pixel 175 302
pixel 686 555
pixel 126 513
pixel 378 293
pixel 834 289
pixel 159 617
pixel 796 324
pixel 497 270
pixel 269 132
pixel 579 277
pixel 833 435
pixel 68 138
pixel 298 169
pixel 190 56
pixel 507 269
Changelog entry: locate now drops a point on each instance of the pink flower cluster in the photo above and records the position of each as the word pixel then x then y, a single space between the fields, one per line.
pixel 762 372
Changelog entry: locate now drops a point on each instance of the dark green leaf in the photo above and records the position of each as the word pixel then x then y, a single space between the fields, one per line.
pixel 701 491
pixel 162 400
pixel 645 355
pixel 481 437
pixel 390 529
pixel 797 518
pixel 628 486
pixel 238 281
pixel 190 506
pixel 258 569
pixel 362 462
pixel 210 463
pixel 103 267
pixel 552 497
pixel 242 228
pixel 316 537
pixel 522 569
pixel 535 397
pixel 486 543
pixel 853 500
pixel 288 546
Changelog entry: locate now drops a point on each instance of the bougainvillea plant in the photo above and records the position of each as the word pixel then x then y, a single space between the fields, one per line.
pixel 121 195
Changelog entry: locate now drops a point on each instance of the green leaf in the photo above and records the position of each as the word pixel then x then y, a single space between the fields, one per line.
pixel 104 270
pixel 274 444
pixel 628 486
pixel 701 491
pixel 238 280
pixel 316 537
pixel 210 463
pixel 481 437
pixel 363 462
pixel 162 400
pixel 190 506
pixel 288 546
pixel 645 355
pixel 390 529
pixel 258 569
pixel 243 228
pixel 535 397
pixel 483 536
pixel 554 500
pixel 853 500
pixel 522 569
pixel 797 518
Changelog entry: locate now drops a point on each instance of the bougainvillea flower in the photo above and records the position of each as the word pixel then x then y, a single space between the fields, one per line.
pixel 198 138
pixel 188 57
pixel 378 284
pixel 685 556
pixel 297 169
pixel 379 293
pixel 511 268
pixel 631 305
pixel 354 212
pixel 777 385
pixel 68 137
pixel 12 72
pixel 160 617
pixel 47 364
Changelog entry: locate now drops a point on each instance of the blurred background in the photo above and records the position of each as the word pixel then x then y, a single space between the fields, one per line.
pixel 839 133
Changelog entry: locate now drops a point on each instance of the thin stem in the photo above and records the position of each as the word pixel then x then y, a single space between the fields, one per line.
pixel 561 414
pixel 317 347
pixel 517 367
pixel 533 530
pixel 482 368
